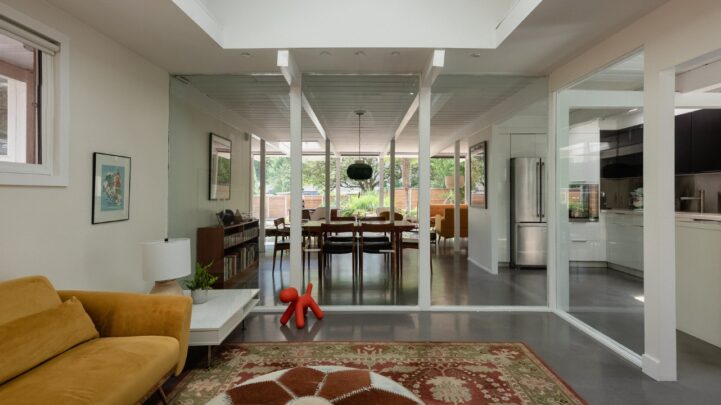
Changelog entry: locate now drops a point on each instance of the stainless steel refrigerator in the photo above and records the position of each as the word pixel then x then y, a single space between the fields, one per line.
pixel 529 230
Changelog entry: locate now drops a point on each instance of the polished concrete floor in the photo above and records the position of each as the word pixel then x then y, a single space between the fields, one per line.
pixel 454 282
pixel 609 301
pixel 596 373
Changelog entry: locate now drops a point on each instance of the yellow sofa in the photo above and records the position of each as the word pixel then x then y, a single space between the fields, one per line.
pixel 134 343
pixel 444 223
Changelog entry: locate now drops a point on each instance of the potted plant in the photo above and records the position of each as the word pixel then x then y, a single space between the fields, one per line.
pixel 200 283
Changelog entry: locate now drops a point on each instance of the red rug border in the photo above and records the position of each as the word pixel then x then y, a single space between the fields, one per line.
pixel 524 344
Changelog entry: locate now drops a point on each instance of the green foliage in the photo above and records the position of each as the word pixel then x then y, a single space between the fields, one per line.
pixel 361 205
pixel 202 279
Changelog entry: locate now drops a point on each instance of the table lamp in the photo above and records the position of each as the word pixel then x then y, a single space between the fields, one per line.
pixel 164 261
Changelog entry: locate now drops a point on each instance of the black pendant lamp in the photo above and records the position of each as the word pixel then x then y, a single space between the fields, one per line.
pixel 359 170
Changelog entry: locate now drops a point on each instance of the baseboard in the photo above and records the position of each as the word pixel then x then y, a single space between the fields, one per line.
pixel 626 270
pixel 480 266
pixel 590 264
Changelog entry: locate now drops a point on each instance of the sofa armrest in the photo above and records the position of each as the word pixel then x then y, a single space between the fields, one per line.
pixel 127 314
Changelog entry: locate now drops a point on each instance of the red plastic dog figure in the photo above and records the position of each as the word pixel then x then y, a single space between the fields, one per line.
pixel 299 304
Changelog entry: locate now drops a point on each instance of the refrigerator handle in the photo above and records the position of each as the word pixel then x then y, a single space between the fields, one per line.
pixel 538 189
pixel 541 203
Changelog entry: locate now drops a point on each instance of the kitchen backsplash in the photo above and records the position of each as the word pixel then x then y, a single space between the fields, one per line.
pixel 689 186
pixel 618 191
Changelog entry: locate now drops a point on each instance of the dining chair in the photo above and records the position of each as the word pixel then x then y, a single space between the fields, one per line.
pixel 330 245
pixel 373 239
pixel 386 215
pixel 282 232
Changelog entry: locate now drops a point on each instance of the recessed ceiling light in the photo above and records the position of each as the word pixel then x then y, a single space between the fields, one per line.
pixel 395 53
pixel 245 54
pixel 412 93
pixel 476 55
pixel 360 53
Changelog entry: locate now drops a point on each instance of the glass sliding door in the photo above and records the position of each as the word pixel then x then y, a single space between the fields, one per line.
pixel 599 202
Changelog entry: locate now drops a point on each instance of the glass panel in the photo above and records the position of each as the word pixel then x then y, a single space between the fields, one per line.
pixel 599 249
pixel 18 102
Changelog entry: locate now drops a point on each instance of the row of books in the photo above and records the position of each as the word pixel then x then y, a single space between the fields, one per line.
pixel 236 262
pixel 240 237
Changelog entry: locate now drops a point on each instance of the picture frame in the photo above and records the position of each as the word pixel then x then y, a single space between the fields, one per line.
pixel 478 155
pixel 220 168
pixel 111 188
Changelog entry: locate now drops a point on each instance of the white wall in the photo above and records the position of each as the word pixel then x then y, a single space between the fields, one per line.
pixel 118 105
pixel 674 33
pixel 480 237
pixel 189 207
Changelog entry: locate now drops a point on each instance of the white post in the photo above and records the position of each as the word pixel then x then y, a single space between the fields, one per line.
pixel 337 182
pixel 392 188
pixel 457 196
pixel 296 185
pixel 424 197
pixel 659 226
pixel 327 180
pixel 381 182
pixel 261 199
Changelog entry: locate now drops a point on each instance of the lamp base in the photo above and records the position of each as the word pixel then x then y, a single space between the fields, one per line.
pixel 167 287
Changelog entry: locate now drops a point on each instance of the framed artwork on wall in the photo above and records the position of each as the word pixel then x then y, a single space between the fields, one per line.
pixel 111 188
pixel 220 154
pixel 479 174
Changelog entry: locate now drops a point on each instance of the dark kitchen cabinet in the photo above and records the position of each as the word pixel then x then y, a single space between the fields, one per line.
pixel 630 136
pixel 705 141
pixel 683 144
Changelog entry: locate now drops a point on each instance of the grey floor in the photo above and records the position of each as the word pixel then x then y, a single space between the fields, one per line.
pixel 596 373
pixel 606 300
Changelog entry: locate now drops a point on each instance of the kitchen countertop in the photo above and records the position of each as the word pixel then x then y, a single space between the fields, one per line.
pixel 682 216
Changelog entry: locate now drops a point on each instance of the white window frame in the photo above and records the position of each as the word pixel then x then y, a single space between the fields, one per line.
pixel 53 115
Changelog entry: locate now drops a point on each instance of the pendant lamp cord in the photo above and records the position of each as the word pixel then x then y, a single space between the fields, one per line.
pixel 359 134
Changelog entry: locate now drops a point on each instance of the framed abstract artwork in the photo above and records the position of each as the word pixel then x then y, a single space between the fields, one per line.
pixel 220 154
pixel 479 174
pixel 111 188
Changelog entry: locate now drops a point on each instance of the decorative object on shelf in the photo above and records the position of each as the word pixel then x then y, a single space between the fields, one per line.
pixel 233 249
pixel 220 169
pixel 226 217
pixel 111 188
pixel 200 283
pixel 164 262
pixel 359 170
pixel 479 174
pixel 299 304
pixel 637 198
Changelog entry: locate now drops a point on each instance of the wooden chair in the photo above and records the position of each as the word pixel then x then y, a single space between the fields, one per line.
pixel 282 232
pixel 373 219
pixel 377 243
pixel 330 245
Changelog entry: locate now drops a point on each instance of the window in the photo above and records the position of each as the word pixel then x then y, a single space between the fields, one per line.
pixel 33 102
pixel 20 81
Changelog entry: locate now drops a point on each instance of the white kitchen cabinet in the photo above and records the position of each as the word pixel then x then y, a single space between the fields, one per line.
pixel 588 241
pixel 624 239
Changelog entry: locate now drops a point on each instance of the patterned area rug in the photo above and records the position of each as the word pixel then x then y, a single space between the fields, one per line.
pixel 437 373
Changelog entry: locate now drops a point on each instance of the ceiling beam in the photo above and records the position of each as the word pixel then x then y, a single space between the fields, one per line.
pixel 702 79
pixel 534 92
pixel 698 100
pixel 294 77
pixel 430 73
pixel 519 11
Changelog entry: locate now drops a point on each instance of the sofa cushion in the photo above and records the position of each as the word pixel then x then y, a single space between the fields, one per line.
pixel 26 296
pixel 28 341
pixel 117 370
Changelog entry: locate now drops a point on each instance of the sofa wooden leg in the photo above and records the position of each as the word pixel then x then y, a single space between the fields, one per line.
pixel 163 397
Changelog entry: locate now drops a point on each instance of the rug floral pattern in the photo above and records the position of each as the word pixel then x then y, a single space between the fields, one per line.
pixel 438 373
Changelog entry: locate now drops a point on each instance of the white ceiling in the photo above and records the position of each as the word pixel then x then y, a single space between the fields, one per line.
pixel 471 82
pixel 14 53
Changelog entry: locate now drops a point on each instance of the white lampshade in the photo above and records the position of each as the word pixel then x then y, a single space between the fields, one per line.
pixel 166 259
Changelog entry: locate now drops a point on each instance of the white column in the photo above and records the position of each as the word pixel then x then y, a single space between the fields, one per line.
pixel 424 197
pixel 326 202
pixel 659 226
pixel 296 185
pixel 392 188
pixel 457 196
pixel 261 201
pixel 337 182
pixel 381 183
